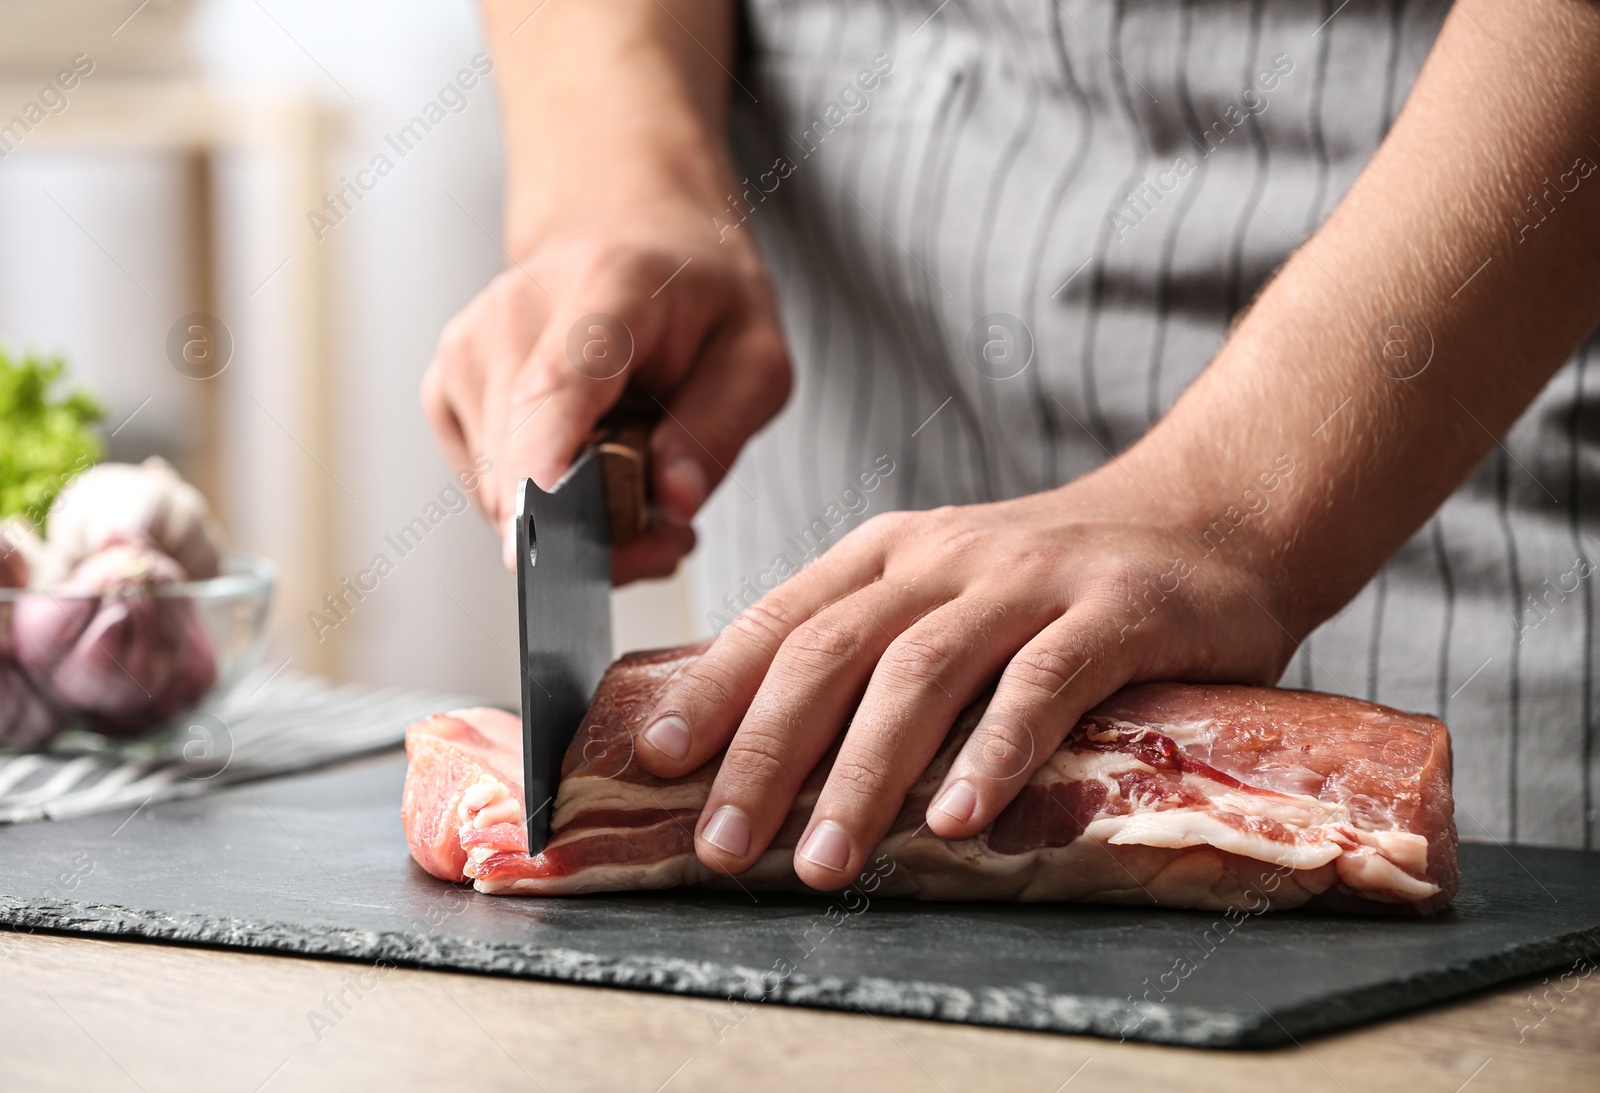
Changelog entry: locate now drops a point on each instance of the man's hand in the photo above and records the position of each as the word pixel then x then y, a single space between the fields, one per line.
pixel 650 302
pixel 618 280
pixel 1162 565
pixel 1065 596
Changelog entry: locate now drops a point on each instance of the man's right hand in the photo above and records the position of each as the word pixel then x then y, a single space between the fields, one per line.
pixel 658 307
pixel 619 278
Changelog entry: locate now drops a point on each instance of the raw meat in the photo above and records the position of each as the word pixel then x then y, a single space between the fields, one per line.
pixel 1186 796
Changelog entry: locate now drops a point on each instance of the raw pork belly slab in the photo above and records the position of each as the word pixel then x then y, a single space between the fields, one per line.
pixel 1210 797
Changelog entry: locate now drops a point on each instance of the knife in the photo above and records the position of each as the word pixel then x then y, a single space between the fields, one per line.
pixel 564 541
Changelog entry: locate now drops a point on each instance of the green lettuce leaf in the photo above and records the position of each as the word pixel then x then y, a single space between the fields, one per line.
pixel 46 437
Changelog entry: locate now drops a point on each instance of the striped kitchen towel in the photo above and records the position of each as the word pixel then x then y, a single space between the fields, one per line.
pixel 266 725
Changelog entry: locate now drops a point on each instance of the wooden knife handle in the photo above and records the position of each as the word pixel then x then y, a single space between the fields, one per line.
pixel 622 443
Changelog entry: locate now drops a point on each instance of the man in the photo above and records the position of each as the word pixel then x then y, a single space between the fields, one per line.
pixel 1007 236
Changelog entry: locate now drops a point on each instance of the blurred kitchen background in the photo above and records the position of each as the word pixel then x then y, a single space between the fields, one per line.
pixel 177 179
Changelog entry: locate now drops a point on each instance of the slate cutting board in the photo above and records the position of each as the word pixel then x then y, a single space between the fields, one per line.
pixel 316 865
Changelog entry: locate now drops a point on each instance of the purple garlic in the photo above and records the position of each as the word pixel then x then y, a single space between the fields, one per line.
pixel 101 645
pixel 192 678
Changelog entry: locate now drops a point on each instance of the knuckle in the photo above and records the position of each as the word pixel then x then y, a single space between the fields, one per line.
pixel 1029 562
pixel 433 396
pixel 756 759
pixel 986 618
pixel 509 288
pixel 604 255
pixel 526 397
pixel 765 349
pixel 456 340
pixel 1119 580
pixel 439 408
pixel 1125 575
pixel 916 662
pixel 625 266
pixel 857 777
pixel 822 642
pixel 768 358
pixel 721 436
pixel 768 621
pixel 958 544
pixel 1042 669
pixel 712 683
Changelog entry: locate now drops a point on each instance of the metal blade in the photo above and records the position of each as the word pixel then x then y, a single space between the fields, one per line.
pixel 564 612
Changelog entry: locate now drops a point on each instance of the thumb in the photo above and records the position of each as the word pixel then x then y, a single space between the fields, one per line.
pixel 575 372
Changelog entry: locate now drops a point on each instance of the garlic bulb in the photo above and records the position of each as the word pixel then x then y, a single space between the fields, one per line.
pixel 145 504
pixel 101 644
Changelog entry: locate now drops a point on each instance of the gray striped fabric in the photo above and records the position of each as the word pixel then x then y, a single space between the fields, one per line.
pixel 267 725
pixel 986 181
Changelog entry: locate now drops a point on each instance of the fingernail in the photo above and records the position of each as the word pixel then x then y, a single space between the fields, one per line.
pixel 670 736
pixel 728 831
pixel 688 483
pixel 827 846
pixel 958 801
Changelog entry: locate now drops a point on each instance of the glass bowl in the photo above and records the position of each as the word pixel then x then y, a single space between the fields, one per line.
pixel 126 665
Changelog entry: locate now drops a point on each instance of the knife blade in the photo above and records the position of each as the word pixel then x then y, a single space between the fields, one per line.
pixel 564 540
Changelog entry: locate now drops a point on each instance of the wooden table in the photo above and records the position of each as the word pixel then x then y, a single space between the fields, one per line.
pixel 108 1015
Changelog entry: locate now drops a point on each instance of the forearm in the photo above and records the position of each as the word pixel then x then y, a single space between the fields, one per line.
pixel 1431 239
pixel 607 104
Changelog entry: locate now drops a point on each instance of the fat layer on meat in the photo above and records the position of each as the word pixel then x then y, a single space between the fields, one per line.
pixel 1181 795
